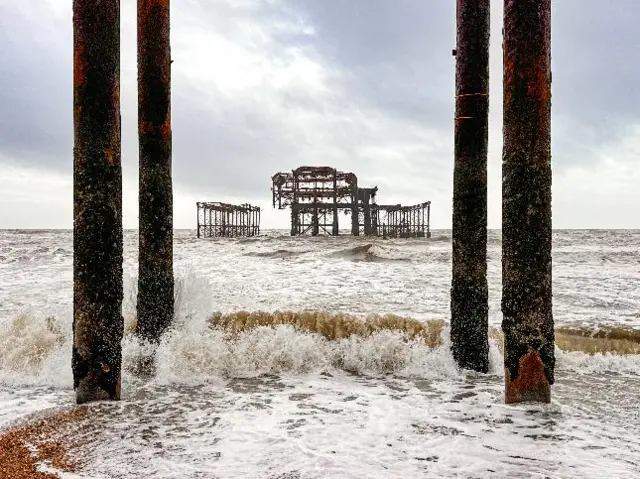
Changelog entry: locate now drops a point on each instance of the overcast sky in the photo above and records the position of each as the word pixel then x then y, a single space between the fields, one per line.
pixel 261 86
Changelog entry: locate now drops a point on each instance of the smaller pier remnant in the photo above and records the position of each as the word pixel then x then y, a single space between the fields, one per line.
pixel 223 220
pixel 403 221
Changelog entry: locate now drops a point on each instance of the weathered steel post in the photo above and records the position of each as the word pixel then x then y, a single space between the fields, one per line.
pixel 155 258
pixel 335 231
pixel 355 211
pixel 526 202
pixel 97 202
pixel 469 290
pixel 198 219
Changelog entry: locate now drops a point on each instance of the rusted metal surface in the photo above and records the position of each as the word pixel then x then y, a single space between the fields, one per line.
pixel 526 202
pixel 155 307
pixel 531 384
pixel 469 289
pixel 317 195
pixel 97 202
pixel 223 220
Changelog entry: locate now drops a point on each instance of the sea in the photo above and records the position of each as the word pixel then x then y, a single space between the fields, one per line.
pixel 275 402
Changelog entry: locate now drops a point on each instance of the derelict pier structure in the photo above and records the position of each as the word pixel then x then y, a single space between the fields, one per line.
pixel 223 220
pixel 318 194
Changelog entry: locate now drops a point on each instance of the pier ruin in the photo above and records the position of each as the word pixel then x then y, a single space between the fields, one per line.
pixel 318 194
pixel 224 220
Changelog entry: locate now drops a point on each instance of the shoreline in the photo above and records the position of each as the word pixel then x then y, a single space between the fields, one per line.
pixel 41 443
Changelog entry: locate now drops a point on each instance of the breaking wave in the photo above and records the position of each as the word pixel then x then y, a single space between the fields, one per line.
pixel 36 350
pixel 280 253
pixel 370 252
pixel 374 252
pixel 265 350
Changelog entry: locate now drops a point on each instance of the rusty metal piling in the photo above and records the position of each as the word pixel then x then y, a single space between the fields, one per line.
pixel 97 202
pixel 526 202
pixel 469 289
pixel 155 307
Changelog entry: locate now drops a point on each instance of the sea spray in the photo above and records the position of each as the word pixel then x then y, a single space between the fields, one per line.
pixel 276 350
pixel 26 341
pixel 35 349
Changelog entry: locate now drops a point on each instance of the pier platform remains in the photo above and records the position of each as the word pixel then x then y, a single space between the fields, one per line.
pixel 224 220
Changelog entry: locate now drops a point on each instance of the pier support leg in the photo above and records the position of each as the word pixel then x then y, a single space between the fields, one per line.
pixel 355 217
pixel 374 223
pixel 97 202
pixel 315 228
pixel 335 229
pixel 469 289
pixel 155 258
pixel 526 202
pixel 294 220
pixel 367 216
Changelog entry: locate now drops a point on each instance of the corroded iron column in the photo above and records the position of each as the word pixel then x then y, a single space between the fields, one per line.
pixel 155 258
pixel 469 290
pixel 526 202
pixel 97 201
pixel 335 231
pixel 355 211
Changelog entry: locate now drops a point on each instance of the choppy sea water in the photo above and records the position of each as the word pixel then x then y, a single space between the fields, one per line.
pixel 280 403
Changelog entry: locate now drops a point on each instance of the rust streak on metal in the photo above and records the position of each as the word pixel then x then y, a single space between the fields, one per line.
pixel 146 5
pixel 526 200
pixel 112 151
pixel 79 73
pixel 163 130
pixel 154 68
pixel 531 383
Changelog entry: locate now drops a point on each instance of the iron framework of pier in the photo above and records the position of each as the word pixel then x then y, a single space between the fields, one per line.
pixel 404 221
pixel 317 195
pixel 224 220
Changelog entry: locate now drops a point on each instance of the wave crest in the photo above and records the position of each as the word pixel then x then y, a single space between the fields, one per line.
pixel 26 342
pixel 249 344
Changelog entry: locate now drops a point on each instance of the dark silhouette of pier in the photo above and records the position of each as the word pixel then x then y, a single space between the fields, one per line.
pixel 317 195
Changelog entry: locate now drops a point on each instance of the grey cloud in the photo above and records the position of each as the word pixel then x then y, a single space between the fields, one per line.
pixel 231 150
pixel 399 56
pixel 594 51
pixel 35 93
pixel 396 55
pixel 393 59
pixel 594 76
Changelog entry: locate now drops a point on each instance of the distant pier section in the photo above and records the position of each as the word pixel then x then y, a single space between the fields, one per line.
pixel 223 220
pixel 317 195
pixel 404 221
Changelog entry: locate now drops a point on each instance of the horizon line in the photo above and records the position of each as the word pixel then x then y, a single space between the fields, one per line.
pixel 287 229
